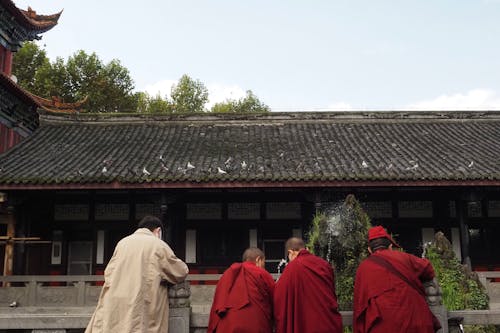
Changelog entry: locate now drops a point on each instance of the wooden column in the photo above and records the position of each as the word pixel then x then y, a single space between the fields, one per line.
pixel 7 63
pixel 167 230
pixel 8 263
pixel 464 231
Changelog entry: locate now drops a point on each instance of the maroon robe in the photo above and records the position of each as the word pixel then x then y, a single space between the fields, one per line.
pixel 242 301
pixel 383 302
pixel 305 299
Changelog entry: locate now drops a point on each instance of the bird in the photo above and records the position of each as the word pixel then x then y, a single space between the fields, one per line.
pixel 146 172
pixel 222 172
pixel 190 166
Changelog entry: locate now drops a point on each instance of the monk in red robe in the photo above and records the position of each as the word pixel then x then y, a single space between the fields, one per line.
pixel 388 291
pixel 304 298
pixel 243 297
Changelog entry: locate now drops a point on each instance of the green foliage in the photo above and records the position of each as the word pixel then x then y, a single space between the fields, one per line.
pixel 26 63
pixel 108 86
pixel 189 95
pixel 152 104
pixel 248 104
pixel 461 287
pixel 339 235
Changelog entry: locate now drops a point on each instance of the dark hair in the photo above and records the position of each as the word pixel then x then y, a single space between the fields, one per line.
pixel 379 243
pixel 150 222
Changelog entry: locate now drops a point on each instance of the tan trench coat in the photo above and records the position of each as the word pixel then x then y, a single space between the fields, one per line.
pixel 133 299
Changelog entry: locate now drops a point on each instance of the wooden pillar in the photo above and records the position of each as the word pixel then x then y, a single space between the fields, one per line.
pixel 464 231
pixel 8 263
pixel 7 63
pixel 167 230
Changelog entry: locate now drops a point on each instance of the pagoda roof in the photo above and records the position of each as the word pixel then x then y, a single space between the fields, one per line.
pixel 29 18
pixel 266 150
pixel 19 107
pixel 56 105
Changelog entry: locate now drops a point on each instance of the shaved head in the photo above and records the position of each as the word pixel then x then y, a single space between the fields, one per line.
pixel 294 244
pixel 252 253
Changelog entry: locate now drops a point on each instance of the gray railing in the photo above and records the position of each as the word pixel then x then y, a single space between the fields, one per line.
pixel 64 302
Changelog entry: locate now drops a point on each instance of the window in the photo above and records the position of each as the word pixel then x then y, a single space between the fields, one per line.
pixel 79 258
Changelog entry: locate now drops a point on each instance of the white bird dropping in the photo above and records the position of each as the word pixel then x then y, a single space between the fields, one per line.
pixel 221 171
pixel 146 172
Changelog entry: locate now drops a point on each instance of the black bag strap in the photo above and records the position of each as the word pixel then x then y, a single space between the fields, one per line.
pixel 386 264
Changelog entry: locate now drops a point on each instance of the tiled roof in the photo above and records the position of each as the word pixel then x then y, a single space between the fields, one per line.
pixel 282 147
pixel 17 106
pixel 30 19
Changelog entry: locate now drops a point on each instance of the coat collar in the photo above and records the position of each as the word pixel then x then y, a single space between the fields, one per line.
pixel 144 231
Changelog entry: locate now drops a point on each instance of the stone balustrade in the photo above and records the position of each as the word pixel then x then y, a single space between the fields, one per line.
pixel 58 303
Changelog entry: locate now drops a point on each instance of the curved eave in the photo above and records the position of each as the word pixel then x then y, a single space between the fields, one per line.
pixel 17 90
pixel 257 184
pixel 57 107
pixel 38 23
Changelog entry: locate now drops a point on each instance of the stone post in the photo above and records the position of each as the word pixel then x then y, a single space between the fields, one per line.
pixel 180 308
pixel 435 300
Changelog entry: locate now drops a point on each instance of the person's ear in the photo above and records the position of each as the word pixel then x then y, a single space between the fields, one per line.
pixel 157 232
pixel 260 262
pixel 390 247
pixel 370 250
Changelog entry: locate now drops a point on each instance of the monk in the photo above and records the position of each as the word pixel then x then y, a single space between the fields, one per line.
pixel 388 291
pixel 134 297
pixel 304 298
pixel 243 297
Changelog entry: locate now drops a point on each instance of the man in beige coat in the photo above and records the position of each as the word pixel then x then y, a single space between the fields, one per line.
pixel 134 297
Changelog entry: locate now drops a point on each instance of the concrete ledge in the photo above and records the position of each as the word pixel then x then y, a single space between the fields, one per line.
pixel 45 318
pixel 477 317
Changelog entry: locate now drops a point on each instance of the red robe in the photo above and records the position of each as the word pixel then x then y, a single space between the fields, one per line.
pixel 383 302
pixel 242 301
pixel 305 299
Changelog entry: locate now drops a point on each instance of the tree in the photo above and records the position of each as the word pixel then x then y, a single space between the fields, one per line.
pixel 27 61
pixel 189 95
pixel 248 104
pixel 108 86
pixel 152 104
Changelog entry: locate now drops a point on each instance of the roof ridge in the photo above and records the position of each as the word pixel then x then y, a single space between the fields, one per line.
pixel 272 117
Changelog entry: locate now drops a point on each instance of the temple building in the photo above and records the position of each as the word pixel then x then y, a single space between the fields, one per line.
pixel 19 109
pixel 73 184
pixel 18 116
pixel 222 183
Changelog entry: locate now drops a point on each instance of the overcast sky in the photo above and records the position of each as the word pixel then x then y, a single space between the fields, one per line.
pixel 296 54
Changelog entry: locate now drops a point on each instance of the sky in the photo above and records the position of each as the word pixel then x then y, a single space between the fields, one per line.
pixel 296 55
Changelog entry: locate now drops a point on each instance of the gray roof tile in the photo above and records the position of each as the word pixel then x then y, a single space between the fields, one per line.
pixel 280 149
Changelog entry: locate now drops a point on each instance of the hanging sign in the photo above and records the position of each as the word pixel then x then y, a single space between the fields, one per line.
pixel 283 210
pixel 415 209
pixel 111 212
pixel 204 211
pixel 243 211
pixel 71 212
